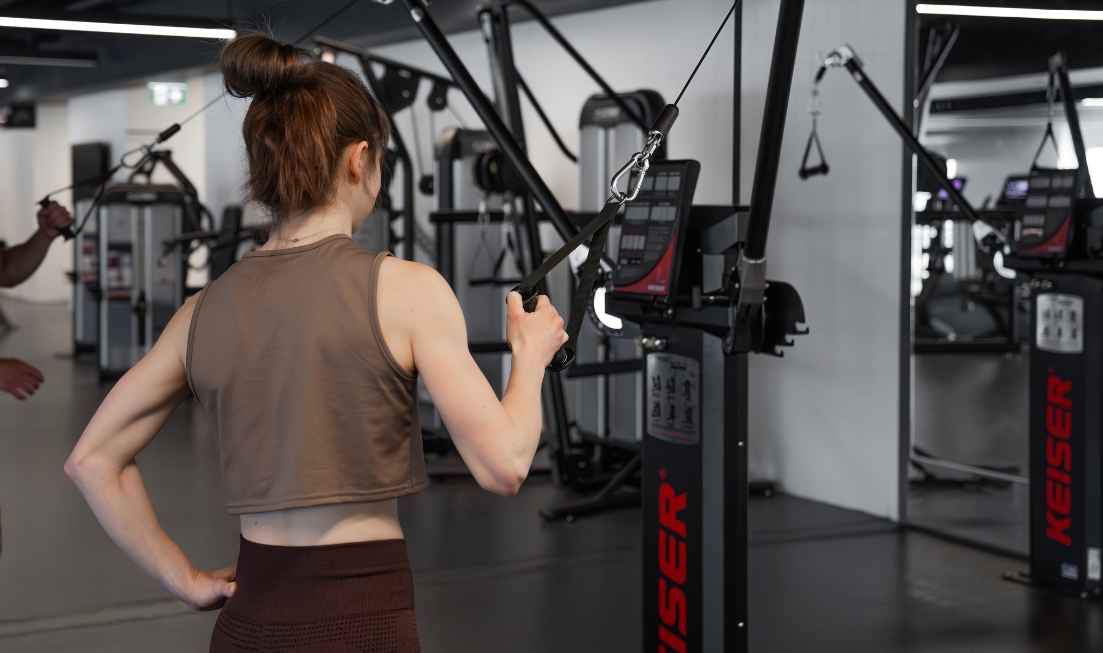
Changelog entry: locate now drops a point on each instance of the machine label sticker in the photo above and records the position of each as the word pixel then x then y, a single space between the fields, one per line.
pixel 673 398
pixel 1071 572
pixel 1094 570
pixel 1060 323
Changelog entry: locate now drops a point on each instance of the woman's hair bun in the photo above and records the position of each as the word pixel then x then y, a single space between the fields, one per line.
pixel 257 64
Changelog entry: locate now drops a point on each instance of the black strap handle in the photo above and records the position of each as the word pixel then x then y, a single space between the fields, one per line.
pixel 822 168
pixel 599 230
pixel 1047 137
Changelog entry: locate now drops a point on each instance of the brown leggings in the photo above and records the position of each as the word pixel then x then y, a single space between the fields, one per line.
pixel 342 598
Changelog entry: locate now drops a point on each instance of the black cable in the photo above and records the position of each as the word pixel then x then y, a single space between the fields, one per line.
pixel 702 60
pixel 204 108
pixel 324 22
pixel 540 112
pixel 457 117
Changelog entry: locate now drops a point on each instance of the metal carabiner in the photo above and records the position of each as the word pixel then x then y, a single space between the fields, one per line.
pixel 641 161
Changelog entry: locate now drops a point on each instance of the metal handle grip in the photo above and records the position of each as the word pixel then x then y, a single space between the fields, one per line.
pixel 565 356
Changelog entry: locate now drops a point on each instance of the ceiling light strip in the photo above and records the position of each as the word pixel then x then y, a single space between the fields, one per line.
pixel 46 60
pixel 116 28
pixel 1009 12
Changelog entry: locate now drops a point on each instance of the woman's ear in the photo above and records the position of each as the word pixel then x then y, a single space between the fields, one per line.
pixel 357 159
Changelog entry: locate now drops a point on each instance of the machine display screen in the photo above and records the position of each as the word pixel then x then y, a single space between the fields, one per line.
pixel 647 261
pixel 1016 189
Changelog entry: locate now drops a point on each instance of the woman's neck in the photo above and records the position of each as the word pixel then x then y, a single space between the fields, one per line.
pixel 306 227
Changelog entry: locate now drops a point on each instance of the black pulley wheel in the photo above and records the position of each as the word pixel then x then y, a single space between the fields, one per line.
pixel 425 184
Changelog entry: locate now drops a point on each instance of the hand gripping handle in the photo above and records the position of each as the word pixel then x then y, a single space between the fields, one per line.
pixel 66 232
pixel 565 356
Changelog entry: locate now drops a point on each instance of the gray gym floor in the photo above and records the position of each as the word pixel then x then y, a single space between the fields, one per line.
pixel 491 576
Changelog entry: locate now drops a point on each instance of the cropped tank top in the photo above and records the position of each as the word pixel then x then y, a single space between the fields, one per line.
pixel 306 404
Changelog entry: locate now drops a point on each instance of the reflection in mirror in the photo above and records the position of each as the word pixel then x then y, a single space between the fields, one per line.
pixel 988 107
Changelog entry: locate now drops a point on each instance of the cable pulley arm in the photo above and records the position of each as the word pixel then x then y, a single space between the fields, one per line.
pixel 844 57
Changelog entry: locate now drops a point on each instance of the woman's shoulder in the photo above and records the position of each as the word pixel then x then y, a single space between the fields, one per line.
pixel 417 286
pixel 411 275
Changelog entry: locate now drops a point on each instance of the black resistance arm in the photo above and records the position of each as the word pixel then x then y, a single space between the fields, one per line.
pixel 490 118
pixel 854 66
pixel 925 158
pixel 773 127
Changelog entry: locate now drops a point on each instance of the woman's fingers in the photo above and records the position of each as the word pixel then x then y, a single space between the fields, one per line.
pixel 33 372
pixel 212 588
pixel 227 573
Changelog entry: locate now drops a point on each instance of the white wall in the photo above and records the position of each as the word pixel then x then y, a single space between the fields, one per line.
pixel 226 165
pixel 17 207
pixel 34 162
pixel 52 170
pixel 99 118
pixel 825 419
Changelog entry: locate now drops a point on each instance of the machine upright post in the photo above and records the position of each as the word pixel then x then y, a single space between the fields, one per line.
pixel 736 627
pixel 735 426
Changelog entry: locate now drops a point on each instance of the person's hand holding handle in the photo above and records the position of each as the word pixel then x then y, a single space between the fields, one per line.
pixel 534 327
pixel 46 218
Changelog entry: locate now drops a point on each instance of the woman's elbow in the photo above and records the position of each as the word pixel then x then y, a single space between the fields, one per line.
pixel 73 467
pixel 505 483
pixel 80 467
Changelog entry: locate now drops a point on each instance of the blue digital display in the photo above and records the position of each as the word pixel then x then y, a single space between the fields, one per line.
pixel 1016 189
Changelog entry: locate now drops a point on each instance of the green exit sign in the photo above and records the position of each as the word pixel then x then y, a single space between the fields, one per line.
pixel 167 94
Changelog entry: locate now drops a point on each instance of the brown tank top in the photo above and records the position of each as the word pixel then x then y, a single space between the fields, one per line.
pixel 305 401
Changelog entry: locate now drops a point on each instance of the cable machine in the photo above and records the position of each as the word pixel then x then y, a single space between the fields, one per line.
pixel 694 477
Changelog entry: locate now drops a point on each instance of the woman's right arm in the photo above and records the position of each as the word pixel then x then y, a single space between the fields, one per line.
pixel 425 330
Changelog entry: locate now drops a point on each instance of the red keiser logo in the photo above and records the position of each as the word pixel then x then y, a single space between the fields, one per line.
pixel 1058 459
pixel 672 565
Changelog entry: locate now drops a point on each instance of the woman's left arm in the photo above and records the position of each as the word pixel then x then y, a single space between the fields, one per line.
pixel 103 467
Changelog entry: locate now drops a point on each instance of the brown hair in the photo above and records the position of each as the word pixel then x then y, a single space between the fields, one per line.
pixel 303 115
